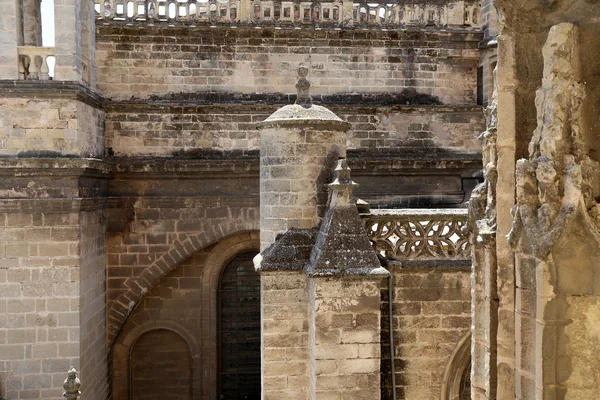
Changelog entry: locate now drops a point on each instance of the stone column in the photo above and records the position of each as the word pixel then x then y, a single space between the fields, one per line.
pixel 556 235
pixel 11 36
pixel 32 23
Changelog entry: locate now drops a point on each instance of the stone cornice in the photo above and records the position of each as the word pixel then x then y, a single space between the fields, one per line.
pixel 63 167
pixel 51 90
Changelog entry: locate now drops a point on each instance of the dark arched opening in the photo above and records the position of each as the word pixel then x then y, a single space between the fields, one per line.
pixel 239 329
pixel 161 367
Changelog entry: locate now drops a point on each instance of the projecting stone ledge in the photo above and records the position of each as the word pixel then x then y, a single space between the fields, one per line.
pixel 290 252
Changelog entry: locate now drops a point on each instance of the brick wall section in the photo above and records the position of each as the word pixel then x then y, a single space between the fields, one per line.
pixel 432 312
pixel 245 60
pixel 161 367
pixel 39 275
pixel 92 303
pixel 177 297
pixel 186 298
pixel 154 130
pixel 30 127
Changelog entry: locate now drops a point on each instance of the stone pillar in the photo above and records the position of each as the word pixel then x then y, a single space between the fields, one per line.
pixel 74 40
pixel 484 297
pixel 299 145
pixel 556 235
pixel 32 23
pixel 345 300
pixel 11 36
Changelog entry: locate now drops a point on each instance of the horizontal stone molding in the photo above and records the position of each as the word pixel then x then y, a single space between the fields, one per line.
pixel 16 206
pixel 51 89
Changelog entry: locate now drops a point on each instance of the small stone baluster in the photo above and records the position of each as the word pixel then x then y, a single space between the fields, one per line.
pixel 33 68
pixel 23 66
pixel 71 385
pixel 44 70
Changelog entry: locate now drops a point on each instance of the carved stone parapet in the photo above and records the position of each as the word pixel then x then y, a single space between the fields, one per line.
pixel 413 234
pixel 295 14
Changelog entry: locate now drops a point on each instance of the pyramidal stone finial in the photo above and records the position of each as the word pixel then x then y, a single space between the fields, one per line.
pixel 303 87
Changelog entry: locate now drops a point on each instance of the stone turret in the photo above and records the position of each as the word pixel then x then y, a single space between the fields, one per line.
pixel 299 146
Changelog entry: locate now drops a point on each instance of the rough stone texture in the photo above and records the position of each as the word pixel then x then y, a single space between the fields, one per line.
pixel 153 129
pixel 432 313
pixel 200 59
pixel 10 25
pixel 50 127
pixel 184 301
pixel 556 234
pixel 53 263
pixel 344 326
pixel 285 356
pixel 296 163
pixel 484 297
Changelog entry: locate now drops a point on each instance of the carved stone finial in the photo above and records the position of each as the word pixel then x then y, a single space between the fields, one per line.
pixel 303 86
pixel 71 385
pixel 342 183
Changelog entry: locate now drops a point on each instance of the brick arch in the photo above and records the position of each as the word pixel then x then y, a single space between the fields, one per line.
pixel 138 286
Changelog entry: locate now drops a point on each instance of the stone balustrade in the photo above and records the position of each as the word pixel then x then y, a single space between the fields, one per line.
pixel 397 14
pixel 419 234
pixel 33 62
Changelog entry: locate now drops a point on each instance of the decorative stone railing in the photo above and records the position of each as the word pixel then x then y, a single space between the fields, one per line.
pixel 419 235
pixel 396 14
pixel 33 62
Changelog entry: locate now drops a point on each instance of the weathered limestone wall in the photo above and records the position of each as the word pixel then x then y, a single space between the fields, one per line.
pixel 10 25
pixel 295 166
pixel 53 269
pixel 32 22
pixel 284 312
pixel 40 301
pixel 92 302
pixel 150 232
pixel 167 131
pixel 345 341
pixel 170 60
pixel 68 17
pixel 531 330
pixel 50 127
pixel 432 313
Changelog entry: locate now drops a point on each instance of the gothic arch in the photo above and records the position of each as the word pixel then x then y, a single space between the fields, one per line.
pixel 459 364
pixel 139 285
pixel 121 373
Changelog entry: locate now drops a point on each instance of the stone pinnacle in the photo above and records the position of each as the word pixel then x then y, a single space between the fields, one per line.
pixel 303 86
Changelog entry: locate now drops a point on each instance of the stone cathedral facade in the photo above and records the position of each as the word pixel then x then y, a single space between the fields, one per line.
pixel 249 199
